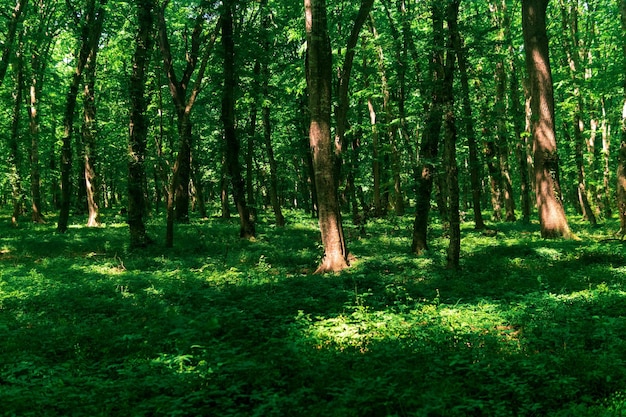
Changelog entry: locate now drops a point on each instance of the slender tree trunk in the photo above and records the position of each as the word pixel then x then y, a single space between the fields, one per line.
pixel 343 102
pixel 606 176
pixel 90 36
pixel 549 204
pixel 35 174
pixel 429 145
pixel 621 168
pixel 89 143
pixel 7 49
pixel 319 79
pixel 470 132
pixel 452 174
pixel 246 229
pixel 14 149
pixel 520 147
pixel 138 128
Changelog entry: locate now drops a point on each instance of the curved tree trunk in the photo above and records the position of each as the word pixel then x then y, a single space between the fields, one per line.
pixel 89 143
pixel 90 36
pixel 549 204
pixel 319 79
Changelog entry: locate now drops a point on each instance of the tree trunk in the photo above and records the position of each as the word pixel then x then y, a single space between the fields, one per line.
pixel 343 103
pixel 90 36
pixel 621 168
pixel 470 132
pixel 89 143
pixel 429 145
pixel 549 204
pixel 7 49
pixel 452 174
pixel 319 79
pixel 246 229
pixel 14 157
pixel 138 129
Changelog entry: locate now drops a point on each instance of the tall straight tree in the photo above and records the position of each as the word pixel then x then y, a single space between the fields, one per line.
pixel 319 80
pixel 246 229
pixel 549 203
pixel 429 145
pixel 90 22
pixel 452 171
pixel 138 127
pixel 621 169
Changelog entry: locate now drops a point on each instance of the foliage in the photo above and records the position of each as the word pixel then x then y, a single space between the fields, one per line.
pixel 221 326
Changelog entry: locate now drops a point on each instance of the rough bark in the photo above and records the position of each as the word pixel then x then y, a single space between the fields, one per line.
pixel 138 127
pixel 429 144
pixel 549 204
pixel 319 79
pixel 246 225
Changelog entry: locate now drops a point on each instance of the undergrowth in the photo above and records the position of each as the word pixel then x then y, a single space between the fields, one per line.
pixel 229 327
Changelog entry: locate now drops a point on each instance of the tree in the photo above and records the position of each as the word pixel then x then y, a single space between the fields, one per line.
pixel 138 127
pixel 452 171
pixel 90 22
pixel 246 229
pixel 184 93
pixel 549 200
pixel 429 144
pixel 621 170
pixel 14 21
pixel 319 79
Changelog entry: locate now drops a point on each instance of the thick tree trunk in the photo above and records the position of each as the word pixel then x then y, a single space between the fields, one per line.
pixel 246 229
pixel 549 204
pixel 319 79
pixel 429 145
pixel 138 129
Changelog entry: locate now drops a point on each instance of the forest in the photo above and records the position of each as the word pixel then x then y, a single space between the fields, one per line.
pixel 316 207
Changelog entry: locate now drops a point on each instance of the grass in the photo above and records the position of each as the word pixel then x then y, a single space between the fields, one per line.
pixel 221 326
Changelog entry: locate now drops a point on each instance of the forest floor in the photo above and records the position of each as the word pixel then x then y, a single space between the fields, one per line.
pixel 228 327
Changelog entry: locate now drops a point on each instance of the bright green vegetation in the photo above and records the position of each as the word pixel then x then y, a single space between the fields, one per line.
pixel 225 327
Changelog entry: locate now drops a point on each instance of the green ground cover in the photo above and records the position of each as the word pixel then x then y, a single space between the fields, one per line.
pixel 225 327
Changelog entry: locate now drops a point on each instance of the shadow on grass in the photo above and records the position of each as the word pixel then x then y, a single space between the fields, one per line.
pixel 224 327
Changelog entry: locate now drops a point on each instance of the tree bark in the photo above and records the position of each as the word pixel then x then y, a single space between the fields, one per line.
pixel 621 168
pixel 15 176
pixel 89 141
pixel 90 36
pixel 452 172
pixel 470 132
pixel 319 79
pixel 429 145
pixel 549 204
pixel 246 229
pixel 138 128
